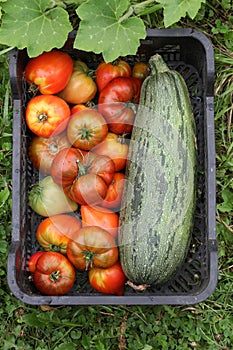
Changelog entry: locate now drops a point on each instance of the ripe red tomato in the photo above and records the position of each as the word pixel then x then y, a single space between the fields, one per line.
pixel 54 274
pixel 47 115
pixel 102 166
pixel 110 280
pixel 140 70
pixel 94 174
pixel 50 71
pixel 105 72
pixel 33 261
pixel 92 246
pixel 64 168
pixel 89 189
pixel 86 129
pixel 115 147
pixel 97 216
pixel 43 150
pixel 54 232
pixel 70 170
pixel 114 194
pixel 117 103
pixel 81 88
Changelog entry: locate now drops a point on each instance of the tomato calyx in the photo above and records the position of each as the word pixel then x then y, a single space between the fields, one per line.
pixel 36 189
pixel 55 248
pixel 53 147
pixel 33 88
pixel 82 170
pixel 55 276
pixel 88 257
pixel 85 133
pixel 90 104
pixel 42 117
pixel 84 69
pixel 91 73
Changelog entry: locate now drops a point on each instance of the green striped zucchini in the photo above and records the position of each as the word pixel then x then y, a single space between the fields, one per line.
pixel 157 211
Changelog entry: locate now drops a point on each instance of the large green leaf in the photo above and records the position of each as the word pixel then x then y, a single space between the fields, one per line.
pixel 175 9
pixel 34 25
pixel 103 30
pixel 227 205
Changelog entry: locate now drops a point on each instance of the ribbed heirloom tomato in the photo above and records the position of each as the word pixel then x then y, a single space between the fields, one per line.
pixel 43 150
pixel 54 274
pixel 92 246
pixel 89 189
pixel 115 147
pixel 64 168
pixel 49 72
pixel 83 176
pixel 105 72
pixel 117 103
pixel 108 281
pixel 81 88
pixel 33 261
pixel 94 174
pixel 140 70
pixel 53 233
pixel 102 217
pixel 86 129
pixel 100 165
pixel 47 198
pixel 47 115
pixel 113 198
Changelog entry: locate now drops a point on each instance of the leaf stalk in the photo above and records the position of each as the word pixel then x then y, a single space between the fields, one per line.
pixel 143 8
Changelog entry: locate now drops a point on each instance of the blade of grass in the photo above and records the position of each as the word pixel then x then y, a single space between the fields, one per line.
pixel 8 49
pixel 6 105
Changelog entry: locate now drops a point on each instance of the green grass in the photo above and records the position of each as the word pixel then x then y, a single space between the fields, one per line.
pixel 208 325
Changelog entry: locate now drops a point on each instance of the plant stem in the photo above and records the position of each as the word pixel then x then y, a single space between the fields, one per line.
pixel 146 7
pixel 81 168
pixel 140 9
pixel 127 14
pixel 2 52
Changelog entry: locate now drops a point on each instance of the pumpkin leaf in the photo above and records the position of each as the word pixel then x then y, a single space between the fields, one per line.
pixel 227 205
pixel 34 25
pixel 104 29
pixel 174 10
pixel 4 194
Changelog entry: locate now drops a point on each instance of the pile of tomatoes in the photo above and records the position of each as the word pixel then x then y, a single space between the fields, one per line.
pixel 79 119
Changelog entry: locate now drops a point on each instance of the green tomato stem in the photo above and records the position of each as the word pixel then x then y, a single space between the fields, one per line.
pixel 85 133
pixel 55 248
pixel 55 276
pixel 81 168
pixel 89 256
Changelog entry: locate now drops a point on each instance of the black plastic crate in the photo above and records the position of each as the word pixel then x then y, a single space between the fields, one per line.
pixel 191 53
